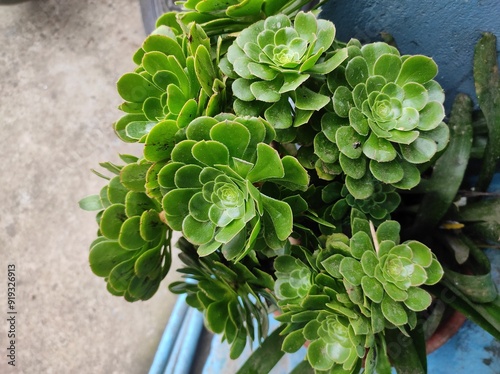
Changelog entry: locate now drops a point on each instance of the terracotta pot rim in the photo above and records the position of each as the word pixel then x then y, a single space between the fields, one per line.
pixel 445 331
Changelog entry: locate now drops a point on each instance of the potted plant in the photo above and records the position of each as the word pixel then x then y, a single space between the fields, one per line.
pixel 307 176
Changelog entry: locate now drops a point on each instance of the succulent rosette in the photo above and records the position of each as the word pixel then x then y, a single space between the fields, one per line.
pixel 271 60
pixel 378 207
pixel 209 186
pixel 294 279
pixel 318 308
pixel 387 117
pixel 334 346
pixel 132 251
pixel 387 273
pixel 176 79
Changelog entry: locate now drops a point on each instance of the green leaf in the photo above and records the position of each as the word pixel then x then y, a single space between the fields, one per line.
pixel 420 151
pixel 361 188
pixel 160 141
pixel 379 149
pixel 116 191
pixel 487 84
pixel 148 262
pixel 204 68
pixel 348 141
pixel 227 233
pixel 356 71
pixel 279 114
pixel 415 96
pixel 372 289
pixel 411 358
pixel 266 91
pixel 267 166
pixel 119 278
pixel 296 177
pixel 91 203
pixel 387 66
pixel 264 358
pixel 241 89
pixel 235 136
pixel 138 129
pixel 216 316
pixel 306 99
pixel 418 69
pixel 360 243
pixel 104 256
pixel 133 176
pixel 281 216
pixel 418 299
pixel 211 153
pixel 393 311
pixel 135 88
pixel 188 176
pixel 130 236
pixel 293 341
pixel 166 45
pixel 112 220
pixel 151 225
pixel 351 270
pixel 331 64
pixel 292 81
pixel 431 116
pixel 176 203
pixel 411 177
pixel 387 172
pixel 175 99
pixel 342 101
pixel 198 232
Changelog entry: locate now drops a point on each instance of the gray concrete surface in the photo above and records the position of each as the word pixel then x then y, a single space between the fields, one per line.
pixel 59 61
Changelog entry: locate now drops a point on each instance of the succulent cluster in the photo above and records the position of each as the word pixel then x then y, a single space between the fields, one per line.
pixel 279 154
pixel 234 297
pixel 342 298
pixel 132 251
pixel 271 60
pixel 378 207
pixel 209 191
pixel 176 79
pixel 386 117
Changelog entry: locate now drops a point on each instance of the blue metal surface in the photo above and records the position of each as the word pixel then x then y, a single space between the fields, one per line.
pixel 169 336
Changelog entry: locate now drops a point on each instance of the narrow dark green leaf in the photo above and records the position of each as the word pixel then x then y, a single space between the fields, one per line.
pixel 488 93
pixel 449 169
pixel 264 358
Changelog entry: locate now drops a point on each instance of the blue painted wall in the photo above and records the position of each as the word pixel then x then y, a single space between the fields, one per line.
pixel 445 30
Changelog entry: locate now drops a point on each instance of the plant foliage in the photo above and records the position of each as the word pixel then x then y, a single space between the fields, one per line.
pixel 306 175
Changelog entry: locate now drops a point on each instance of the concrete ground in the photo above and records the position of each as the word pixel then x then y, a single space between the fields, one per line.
pixel 59 62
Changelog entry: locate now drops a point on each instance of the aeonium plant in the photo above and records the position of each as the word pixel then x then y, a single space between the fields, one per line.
pixel 306 176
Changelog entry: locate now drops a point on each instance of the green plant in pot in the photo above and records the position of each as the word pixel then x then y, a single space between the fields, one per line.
pixel 307 176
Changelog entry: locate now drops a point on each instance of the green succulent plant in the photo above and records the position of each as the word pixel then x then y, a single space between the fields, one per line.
pixel 378 207
pixel 231 16
pixel 294 279
pixel 175 79
pixel 334 346
pixel 209 186
pixel 387 117
pixel 132 251
pixel 387 274
pixel 279 153
pixel 234 297
pixel 318 308
pixel 271 60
